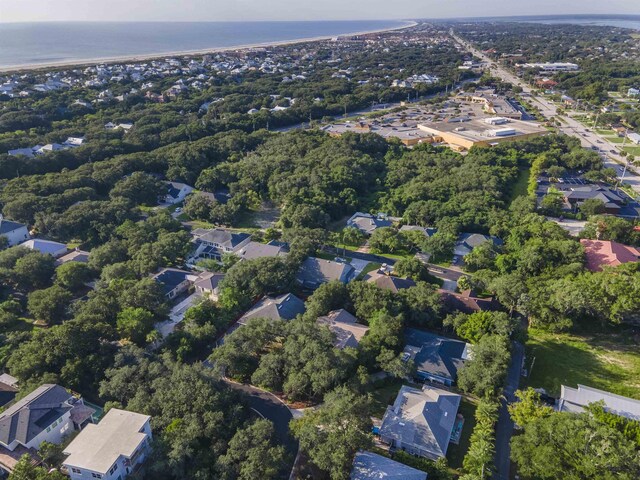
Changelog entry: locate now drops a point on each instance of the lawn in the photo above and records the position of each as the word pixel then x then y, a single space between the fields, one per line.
pixel 520 187
pixel 607 361
pixel 371 266
pixel 615 139
pixel 456 453
pixel 384 393
pixel 633 150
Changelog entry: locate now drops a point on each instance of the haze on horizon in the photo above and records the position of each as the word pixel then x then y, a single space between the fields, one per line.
pixel 257 10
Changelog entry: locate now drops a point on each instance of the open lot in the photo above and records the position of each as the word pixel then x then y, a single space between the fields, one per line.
pixel 607 361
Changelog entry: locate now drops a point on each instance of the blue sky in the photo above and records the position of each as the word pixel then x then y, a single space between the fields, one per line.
pixel 251 10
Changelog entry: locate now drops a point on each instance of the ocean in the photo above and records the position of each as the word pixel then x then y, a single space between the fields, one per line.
pixel 43 43
pixel 622 21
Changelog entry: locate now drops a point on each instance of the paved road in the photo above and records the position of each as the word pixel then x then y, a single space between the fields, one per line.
pixel 271 408
pixel 570 126
pixel 504 427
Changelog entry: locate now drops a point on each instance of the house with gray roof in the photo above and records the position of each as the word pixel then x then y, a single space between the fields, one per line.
pixel 348 332
pixel 371 466
pixel 174 281
pixel 214 243
pixel 49 413
pixel 49 247
pixel 282 307
pixel 468 241
pixel 253 250
pixel 207 284
pixel 315 271
pixel 367 223
pixel 382 279
pixel 14 232
pixel 437 359
pixel 426 231
pixel 420 421
pixel 576 399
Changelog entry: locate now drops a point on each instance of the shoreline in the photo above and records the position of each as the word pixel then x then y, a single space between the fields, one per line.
pixel 145 57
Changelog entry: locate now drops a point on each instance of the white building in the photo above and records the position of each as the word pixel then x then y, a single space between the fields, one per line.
pixel 14 232
pixel 111 449
pixel 553 67
pixel 54 249
pixel 177 192
pixel 574 400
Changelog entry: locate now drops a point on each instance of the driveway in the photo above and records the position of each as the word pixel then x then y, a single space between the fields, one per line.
pixel 504 427
pixel 270 407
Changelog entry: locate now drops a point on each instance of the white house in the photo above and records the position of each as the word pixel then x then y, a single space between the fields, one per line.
pixel 633 92
pixel 634 138
pixel 49 413
pixel 111 449
pixel 54 249
pixel 177 192
pixel 14 232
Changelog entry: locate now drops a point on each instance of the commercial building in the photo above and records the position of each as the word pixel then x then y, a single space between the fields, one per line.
pixel 467 133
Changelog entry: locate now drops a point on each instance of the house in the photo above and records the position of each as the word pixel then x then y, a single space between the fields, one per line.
pixel 576 399
pixel 420 422
pixel 174 281
pixel 466 302
pixel 14 232
pixel 427 231
pixel 216 242
pixel 367 223
pixel 254 250
pixel 384 280
pixel 282 307
pixel 54 249
pixel 208 283
pixel 633 92
pixel 8 389
pixel 601 253
pixel 437 359
pixel 371 466
pixel 574 195
pixel 49 413
pixel 76 255
pixel 468 241
pixel 315 271
pixel 110 450
pixel 177 192
pixel 344 326
pixel 73 142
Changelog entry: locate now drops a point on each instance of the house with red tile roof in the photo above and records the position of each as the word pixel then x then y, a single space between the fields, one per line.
pixel 601 253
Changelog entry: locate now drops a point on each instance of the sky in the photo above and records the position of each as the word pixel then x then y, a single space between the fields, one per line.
pixel 256 10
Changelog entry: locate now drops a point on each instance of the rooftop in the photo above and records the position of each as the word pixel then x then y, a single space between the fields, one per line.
pixel 371 466
pixel 601 253
pixel 97 447
pixel 575 399
pixel 284 307
pixel 435 355
pixel 345 327
pixel 422 418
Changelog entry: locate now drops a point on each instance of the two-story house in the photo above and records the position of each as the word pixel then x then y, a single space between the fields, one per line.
pixel 110 450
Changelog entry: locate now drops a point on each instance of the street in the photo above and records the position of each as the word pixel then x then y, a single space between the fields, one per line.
pixel 504 427
pixel 270 407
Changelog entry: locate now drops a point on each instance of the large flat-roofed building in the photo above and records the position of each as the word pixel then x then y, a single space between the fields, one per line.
pixel 493 103
pixel 478 132
pixel 552 66
pixel 111 449
pixel 409 135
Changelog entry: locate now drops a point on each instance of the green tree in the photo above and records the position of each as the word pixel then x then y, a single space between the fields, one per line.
pixel 50 304
pixel 34 270
pixel 135 324
pixel 592 206
pixel 73 275
pixel 528 408
pixel 386 240
pixel 334 432
pixel 574 447
pixel 253 453
pixel 26 470
pixel 484 373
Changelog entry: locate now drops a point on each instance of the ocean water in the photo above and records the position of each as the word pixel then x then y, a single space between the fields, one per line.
pixel 57 42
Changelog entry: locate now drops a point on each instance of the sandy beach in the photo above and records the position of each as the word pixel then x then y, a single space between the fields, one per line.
pixel 205 51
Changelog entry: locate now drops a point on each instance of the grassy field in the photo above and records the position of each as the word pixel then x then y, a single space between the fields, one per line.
pixel 607 361
pixel 520 187
pixel 456 453
pixel 633 150
pixel 372 266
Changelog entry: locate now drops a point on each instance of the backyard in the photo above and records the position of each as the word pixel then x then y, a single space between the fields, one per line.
pixel 609 361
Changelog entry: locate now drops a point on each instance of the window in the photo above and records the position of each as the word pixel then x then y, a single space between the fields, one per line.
pixel 113 469
pixel 96 475
pixel 48 429
pixel 76 470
